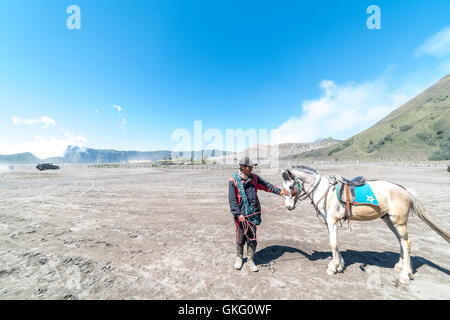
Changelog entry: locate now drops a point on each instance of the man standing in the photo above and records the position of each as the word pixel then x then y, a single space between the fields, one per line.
pixel 243 200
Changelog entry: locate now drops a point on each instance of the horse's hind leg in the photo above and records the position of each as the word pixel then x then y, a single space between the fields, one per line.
pixel 406 273
pixel 399 223
pixel 399 265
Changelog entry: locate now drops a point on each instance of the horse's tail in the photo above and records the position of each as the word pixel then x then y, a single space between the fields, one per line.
pixel 419 209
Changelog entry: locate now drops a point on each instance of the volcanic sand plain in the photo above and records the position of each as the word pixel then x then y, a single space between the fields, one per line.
pixel 154 233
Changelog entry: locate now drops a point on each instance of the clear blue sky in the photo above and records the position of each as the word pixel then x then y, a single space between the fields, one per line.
pixel 230 64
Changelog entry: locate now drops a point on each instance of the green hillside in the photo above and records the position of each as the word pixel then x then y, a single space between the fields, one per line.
pixel 418 130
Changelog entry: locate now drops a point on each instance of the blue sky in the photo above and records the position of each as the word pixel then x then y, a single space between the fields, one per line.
pixel 136 71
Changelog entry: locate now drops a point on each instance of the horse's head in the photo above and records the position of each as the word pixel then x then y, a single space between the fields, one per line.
pixel 293 185
pixel 296 180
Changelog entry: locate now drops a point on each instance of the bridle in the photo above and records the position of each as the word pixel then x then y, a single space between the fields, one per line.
pixel 300 190
pixel 301 193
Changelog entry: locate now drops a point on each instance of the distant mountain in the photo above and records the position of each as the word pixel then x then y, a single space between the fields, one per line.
pixel 418 130
pixel 82 155
pixel 264 153
pixel 26 157
pixel 74 154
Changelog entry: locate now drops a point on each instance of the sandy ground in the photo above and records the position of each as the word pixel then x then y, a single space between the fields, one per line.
pixel 169 234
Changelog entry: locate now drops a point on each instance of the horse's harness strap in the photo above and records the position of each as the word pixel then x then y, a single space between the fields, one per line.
pixel 311 194
pixel 300 190
pixel 348 204
pixel 348 207
pixel 331 182
pixel 324 196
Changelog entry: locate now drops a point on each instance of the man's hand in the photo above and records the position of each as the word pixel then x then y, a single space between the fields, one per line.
pixel 283 192
pixel 241 218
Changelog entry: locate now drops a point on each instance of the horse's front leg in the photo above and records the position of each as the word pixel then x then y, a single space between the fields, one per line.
pixel 337 263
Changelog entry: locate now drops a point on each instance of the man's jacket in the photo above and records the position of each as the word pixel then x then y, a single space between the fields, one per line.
pixel 251 187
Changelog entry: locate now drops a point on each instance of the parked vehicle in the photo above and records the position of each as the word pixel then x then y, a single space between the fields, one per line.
pixel 47 166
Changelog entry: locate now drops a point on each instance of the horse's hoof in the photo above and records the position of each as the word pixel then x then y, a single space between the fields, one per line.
pixel 331 271
pixel 399 267
pixel 340 268
pixel 411 276
pixel 404 280
pixel 331 268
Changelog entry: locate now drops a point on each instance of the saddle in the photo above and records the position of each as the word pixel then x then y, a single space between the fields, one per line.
pixel 347 193
pixel 358 181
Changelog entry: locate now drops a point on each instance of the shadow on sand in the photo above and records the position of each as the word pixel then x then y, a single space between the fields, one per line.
pixel 386 259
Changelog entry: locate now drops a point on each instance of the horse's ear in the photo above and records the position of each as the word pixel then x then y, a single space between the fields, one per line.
pixel 286 175
pixel 291 175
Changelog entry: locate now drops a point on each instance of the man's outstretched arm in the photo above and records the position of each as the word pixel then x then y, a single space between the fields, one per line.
pixel 268 187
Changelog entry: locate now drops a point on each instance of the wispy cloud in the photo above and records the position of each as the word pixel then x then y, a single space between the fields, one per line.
pixel 44 147
pixel 122 125
pixel 123 120
pixel 343 110
pixel 438 45
pixel 46 121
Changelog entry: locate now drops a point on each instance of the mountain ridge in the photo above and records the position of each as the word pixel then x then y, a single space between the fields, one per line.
pixel 265 153
pixel 418 130
pixel 75 154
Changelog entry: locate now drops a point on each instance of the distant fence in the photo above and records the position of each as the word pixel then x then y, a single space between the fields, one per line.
pixel 282 164
pixel 423 164
pixel 126 166
pixel 434 164
pixel 22 167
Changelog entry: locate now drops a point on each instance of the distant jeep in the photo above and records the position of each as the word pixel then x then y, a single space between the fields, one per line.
pixel 47 166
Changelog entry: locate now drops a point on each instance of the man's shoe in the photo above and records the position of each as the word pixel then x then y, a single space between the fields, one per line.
pixel 238 264
pixel 239 252
pixel 252 265
pixel 251 254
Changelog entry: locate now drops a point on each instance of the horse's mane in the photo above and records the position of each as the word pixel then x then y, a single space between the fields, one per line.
pixel 304 169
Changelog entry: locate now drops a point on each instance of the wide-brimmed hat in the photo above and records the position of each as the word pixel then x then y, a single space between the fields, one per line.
pixel 247 162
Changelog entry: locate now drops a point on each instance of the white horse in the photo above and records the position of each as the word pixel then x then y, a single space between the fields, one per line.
pixel 395 203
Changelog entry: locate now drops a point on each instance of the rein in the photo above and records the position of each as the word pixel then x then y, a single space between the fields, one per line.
pixel 310 195
pixel 246 223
